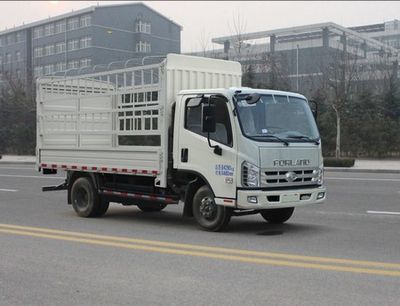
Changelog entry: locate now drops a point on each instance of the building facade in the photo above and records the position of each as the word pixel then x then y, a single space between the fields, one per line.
pixel 97 35
pixel 306 54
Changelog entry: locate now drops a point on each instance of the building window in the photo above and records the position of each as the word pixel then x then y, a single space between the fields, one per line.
pixel 48 69
pixel 48 50
pixel 73 45
pixel 73 64
pixel 1 60
pixel 143 47
pixel 86 20
pixel 73 23
pixel 60 47
pixel 10 39
pixel 392 25
pixel 393 43
pixel 49 29
pixel 18 56
pixel 61 66
pixel 85 62
pixel 8 58
pixel 38 52
pixel 1 41
pixel 38 71
pixel 86 42
pixel 143 27
pixel 19 36
pixel 61 26
pixel 37 32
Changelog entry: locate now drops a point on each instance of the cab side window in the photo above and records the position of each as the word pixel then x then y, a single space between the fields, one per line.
pixel 223 132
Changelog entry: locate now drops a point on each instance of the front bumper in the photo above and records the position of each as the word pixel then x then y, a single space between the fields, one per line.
pixel 259 199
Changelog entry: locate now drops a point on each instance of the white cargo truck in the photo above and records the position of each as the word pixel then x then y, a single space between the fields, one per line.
pixel 179 131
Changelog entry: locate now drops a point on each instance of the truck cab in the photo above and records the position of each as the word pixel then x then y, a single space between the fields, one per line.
pixel 253 150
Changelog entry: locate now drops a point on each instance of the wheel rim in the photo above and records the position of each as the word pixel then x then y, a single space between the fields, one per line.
pixel 208 208
pixel 82 199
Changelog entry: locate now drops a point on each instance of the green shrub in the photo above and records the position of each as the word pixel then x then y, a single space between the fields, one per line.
pixel 339 162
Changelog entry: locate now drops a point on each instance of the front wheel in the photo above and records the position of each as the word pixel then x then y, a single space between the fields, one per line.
pixel 209 216
pixel 278 215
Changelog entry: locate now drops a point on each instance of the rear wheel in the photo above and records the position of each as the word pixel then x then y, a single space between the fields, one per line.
pixel 85 200
pixel 209 215
pixel 277 216
pixel 151 207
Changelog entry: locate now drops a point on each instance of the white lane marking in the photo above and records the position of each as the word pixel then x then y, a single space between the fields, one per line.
pixel 361 179
pixel 356 214
pixel 33 176
pixel 10 190
pixel 383 212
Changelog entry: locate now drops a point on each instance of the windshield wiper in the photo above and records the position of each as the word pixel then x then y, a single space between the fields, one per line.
pixel 304 137
pixel 272 136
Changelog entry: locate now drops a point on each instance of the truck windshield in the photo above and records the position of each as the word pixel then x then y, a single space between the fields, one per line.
pixel 277 118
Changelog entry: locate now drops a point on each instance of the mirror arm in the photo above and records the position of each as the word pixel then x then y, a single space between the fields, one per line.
pixel 217 148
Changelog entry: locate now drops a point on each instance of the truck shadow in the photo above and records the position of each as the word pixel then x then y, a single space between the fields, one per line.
pixel 134 214
pixel 262 228
pixel 239 225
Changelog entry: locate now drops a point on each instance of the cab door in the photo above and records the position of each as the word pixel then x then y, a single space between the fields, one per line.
pixel 194 152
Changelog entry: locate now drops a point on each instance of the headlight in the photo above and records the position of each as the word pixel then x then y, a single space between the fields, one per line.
pixel 318 176
pixel 250 175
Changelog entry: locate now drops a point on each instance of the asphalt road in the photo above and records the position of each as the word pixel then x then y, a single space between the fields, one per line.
pixel 344 252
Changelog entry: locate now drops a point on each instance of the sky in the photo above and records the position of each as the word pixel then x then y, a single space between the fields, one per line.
pixel 204 20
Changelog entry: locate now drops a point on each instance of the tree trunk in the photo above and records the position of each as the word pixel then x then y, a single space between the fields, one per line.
pixel 337 150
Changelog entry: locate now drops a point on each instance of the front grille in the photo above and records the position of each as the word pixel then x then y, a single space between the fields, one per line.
pixel 289 177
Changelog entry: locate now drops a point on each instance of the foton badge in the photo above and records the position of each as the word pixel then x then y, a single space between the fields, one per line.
pixel 289 162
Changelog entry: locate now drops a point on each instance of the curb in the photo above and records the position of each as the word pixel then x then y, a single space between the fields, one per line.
pixel 18 159
pixel 7 162
pixel 332 169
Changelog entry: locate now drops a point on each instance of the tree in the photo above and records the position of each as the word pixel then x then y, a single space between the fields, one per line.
pixel 340 76
pixel 391 96
pixel 275 67
pixel 248 77
pixel 238 28
pixel 17 118
pixel 365 102
pixel 204 42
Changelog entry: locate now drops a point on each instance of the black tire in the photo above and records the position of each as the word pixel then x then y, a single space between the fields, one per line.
pixel 209 216
pixel 151 207
pixel 102 209
pixel 85 200
pixel 278 215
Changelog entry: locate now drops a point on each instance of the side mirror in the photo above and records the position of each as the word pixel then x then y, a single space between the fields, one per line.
pixel 252 98
pixel 208 123
pixel 314 108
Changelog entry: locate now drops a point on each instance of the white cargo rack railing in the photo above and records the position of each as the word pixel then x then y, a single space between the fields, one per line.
pixel 120 110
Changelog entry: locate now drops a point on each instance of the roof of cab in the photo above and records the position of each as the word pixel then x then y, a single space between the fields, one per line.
pixel 245 90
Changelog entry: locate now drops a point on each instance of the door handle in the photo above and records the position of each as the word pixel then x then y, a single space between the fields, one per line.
pixel 184 155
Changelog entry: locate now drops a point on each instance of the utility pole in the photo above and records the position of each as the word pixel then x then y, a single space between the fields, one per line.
pixel 297 68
